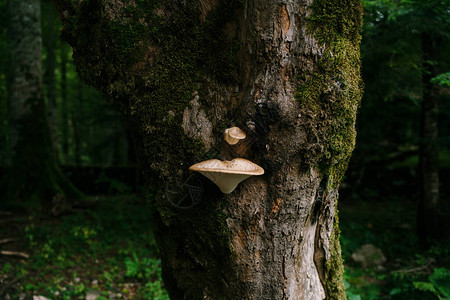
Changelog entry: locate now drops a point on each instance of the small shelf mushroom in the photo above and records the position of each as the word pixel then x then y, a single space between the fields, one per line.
pixel 227 174
pixel 233 135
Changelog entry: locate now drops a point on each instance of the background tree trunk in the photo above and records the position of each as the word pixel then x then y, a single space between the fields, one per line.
pixel 285 72
pixel 34 172
pixel 76 127
pixel 64 106
pixel 431 224
pixel 49 25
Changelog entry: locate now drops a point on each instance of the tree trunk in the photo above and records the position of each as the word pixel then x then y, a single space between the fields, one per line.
pixel 34 174
pixel 76 125
pixel 431 225
pixel 64 106
pixel 9 79
pixel 49 27
pixel 285 72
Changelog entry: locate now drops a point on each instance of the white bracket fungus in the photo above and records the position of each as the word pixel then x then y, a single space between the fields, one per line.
pixel 227 174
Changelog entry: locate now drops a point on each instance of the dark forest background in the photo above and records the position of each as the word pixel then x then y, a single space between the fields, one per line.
pixel 105 247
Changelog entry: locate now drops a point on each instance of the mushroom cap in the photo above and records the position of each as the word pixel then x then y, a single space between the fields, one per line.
pixel 235 132
pixel 233 135
pixel 235 166
pixel 227 174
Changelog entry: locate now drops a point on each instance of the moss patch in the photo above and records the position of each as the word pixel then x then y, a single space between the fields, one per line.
pixel 331 93
pixel 335 266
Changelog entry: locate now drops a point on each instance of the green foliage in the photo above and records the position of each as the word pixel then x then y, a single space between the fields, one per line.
pixel 439 283
pixel 409 272
pixel 358 287
pixel 442 79
pixel 147 270
pixel 441 280
pixel 392 59
pixel 153 290
pixel 109 248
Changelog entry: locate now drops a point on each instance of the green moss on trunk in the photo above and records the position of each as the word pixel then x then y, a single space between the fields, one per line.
pixel 331 95
pixel 335 266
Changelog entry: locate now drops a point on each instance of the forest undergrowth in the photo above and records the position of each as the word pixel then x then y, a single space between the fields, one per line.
pixel 108 251
pixel 406 271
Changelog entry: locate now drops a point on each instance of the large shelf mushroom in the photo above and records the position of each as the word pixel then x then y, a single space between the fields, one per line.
pixel 227 174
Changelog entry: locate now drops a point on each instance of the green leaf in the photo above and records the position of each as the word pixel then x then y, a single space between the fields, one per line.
pixel 7 268
pixel 395 291
pixel 425 286
pixel 441 280
pixel 351 296
pixel 442 79
pixel 346 284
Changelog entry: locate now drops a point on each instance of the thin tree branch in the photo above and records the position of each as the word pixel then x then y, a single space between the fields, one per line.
pixel 14 253
pixel 8 240
pixel 416 269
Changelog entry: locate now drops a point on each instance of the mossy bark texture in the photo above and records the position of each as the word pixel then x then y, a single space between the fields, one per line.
pixel 287 73
pixel 34 172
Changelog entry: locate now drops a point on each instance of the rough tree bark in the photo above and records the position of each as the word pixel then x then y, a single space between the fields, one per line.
pixel 34 173
pixel 287 73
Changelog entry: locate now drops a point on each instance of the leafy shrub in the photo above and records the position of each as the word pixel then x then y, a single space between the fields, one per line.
pixel 439 283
